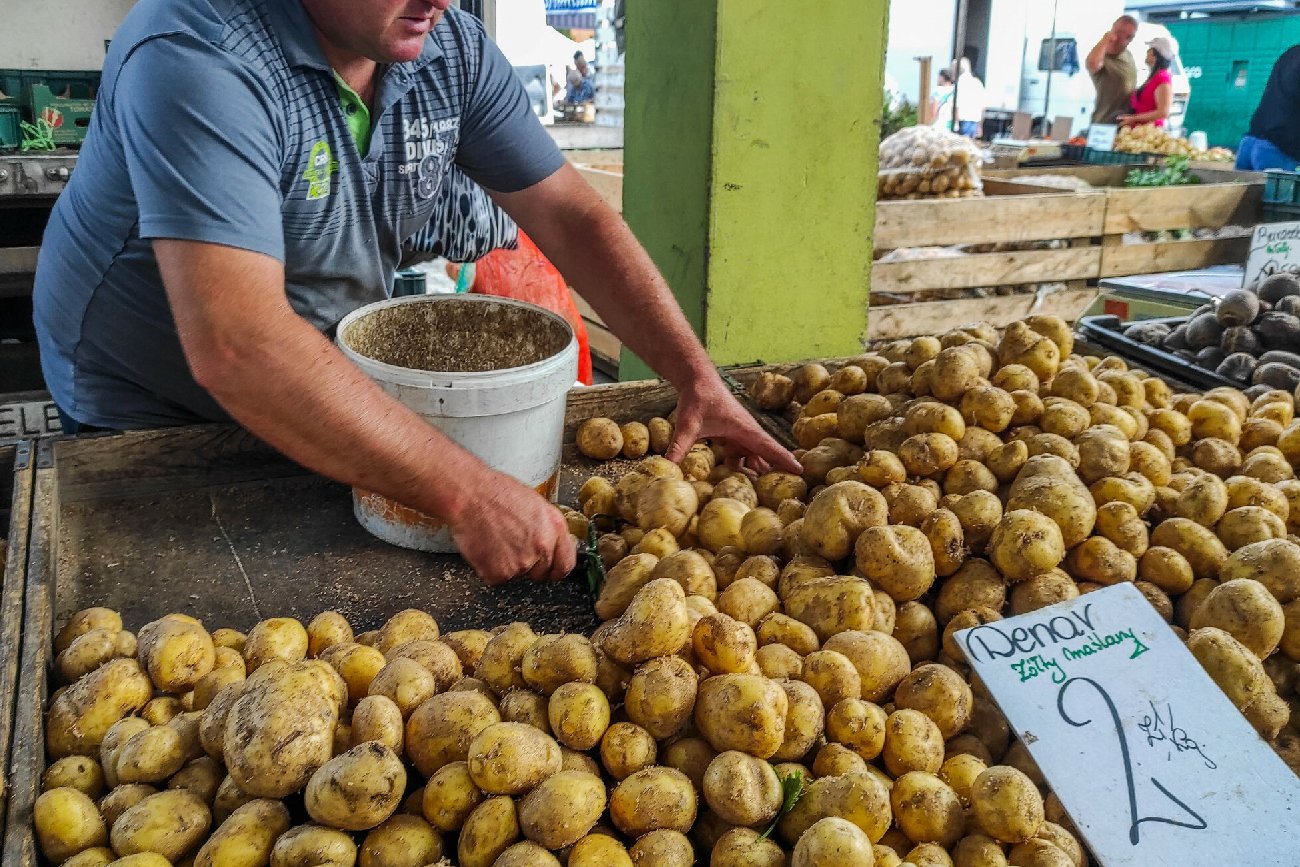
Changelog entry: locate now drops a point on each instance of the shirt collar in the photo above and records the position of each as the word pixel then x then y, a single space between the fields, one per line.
pixel 297 36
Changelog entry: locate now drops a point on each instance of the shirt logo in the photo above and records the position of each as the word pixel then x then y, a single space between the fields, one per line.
pixel 321 165
pixel 430 145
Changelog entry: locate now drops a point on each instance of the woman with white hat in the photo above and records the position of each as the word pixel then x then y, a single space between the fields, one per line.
pixel 1152 101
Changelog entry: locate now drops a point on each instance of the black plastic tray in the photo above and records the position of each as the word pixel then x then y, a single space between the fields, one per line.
pixel 1154 359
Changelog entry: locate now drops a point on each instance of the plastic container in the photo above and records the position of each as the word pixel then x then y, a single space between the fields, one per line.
pixel 1105 331
pixel 1092 156
pixel 505 405
pixel 11 131
pixel 1281 195
pixel 409 281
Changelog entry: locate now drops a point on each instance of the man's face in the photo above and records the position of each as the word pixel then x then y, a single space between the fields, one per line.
pixel 1121 34
pixel 386 31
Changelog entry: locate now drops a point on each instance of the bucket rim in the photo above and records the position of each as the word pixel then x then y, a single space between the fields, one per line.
pixel 397 372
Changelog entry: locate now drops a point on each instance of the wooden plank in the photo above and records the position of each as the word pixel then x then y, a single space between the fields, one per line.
pixel 159 461
pixel 1152 209
pixel 27 756
pixel 936 317
pixel 1122 260
pixel 987 269
pixel 941 222
pixel 16 463
pixel 1098 176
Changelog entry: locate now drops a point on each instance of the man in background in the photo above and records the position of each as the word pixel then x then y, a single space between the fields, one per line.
pixel 580 89
pixel 1273 141
pixel 1113 71
pixel 971 101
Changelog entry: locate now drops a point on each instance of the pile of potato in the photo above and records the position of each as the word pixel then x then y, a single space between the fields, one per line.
pixel 1147 138
pixel 948 482
pixel 761 637
pixel 927 162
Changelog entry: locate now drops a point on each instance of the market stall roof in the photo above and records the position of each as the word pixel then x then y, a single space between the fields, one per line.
pixel 571 14
pixel 1169 7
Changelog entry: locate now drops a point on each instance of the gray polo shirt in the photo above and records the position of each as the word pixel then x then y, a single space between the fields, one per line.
pixel 220 121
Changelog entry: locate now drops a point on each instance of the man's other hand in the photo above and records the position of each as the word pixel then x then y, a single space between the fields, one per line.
pixel 709 411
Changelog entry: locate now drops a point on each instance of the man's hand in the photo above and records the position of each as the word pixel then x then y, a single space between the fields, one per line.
pixel 509 531
pixel 710 412
pixel 599 256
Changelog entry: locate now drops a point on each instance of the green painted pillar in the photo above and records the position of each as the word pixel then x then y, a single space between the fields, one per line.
pixel 752 129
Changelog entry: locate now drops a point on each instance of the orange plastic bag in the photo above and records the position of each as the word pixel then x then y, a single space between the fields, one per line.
pixel 526 274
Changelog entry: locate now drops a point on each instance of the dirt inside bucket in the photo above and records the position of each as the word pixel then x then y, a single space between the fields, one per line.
pixel 455 335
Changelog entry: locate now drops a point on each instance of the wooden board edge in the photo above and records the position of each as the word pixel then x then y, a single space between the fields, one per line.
pixel 899 321
pixel 988 220
pixel 27 754
pixel 987 269
pixel 11 604
pixel 1123 260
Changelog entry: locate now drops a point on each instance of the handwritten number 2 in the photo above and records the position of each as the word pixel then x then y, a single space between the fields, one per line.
pixel 1198 824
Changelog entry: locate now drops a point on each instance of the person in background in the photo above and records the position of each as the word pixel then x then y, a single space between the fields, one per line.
pixel 1152 101
pixel 580 88
pixel 1274 137
pixel 970 101
pixel 941 101
pixel 1113 72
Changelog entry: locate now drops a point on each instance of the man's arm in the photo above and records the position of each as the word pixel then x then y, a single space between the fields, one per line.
pixel 1097 56
pixel 284 381
pixel 597 253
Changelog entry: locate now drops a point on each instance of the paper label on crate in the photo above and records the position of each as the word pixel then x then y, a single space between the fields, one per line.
pixel 1101 136
pixel 1148 756
pixel 1274 249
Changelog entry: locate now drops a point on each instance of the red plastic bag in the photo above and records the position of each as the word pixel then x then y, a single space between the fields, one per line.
pixel 526 274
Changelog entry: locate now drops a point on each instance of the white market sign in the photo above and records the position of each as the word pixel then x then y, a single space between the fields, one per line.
pixel 1151 760
pixel 1274 249
pixel 1101 136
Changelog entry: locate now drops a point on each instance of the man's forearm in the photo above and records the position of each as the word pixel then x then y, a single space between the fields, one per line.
pixel 599 256
pixel 1097 57
pixel 284 381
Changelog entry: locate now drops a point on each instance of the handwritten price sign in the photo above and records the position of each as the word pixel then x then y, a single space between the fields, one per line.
pixel 1152 761
pixel 1274 249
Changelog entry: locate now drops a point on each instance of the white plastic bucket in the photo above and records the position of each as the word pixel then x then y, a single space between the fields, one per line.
pixel 511 417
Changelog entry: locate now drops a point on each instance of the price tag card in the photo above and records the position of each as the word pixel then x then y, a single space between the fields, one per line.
pixel 1101 136
pixel 1274 248
pixel 1148 756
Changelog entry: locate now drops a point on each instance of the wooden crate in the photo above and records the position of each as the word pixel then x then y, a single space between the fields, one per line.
pixel 211 522
pixel 1009 213
pixel 16 475
pixel 1223 198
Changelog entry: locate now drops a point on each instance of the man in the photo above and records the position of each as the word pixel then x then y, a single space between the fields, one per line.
pixel 1113 72
pixel 252 170
pixel 580 88
pixel 971 101
pixel 1274 137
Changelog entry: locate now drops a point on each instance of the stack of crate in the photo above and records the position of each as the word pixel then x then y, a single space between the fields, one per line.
pixel 63 99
